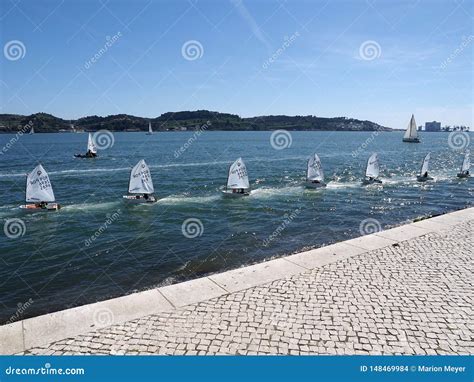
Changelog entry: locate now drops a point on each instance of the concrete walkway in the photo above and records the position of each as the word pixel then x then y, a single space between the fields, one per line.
pixel 408 290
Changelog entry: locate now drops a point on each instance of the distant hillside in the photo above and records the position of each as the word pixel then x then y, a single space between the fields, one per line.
pixel 183 120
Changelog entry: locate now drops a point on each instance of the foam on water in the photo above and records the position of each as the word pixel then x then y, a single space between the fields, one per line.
pixel 335 185
pixel 174 199
pixel 119 169
pixel 9 210
pixel 69 171
pixel 91 206
pixel 269 192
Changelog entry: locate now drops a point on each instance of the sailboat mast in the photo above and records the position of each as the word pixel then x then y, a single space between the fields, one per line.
pixel 228 176
pixel 307 169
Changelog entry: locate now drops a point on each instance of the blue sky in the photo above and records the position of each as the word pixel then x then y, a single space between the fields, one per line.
pixel 374 60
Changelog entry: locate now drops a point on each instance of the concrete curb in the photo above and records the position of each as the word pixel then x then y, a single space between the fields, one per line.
pixel 22 335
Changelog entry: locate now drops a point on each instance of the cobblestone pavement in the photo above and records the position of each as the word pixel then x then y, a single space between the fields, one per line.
pixel 412 298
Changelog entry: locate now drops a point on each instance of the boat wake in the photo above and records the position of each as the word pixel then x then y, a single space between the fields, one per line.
pixel 9 210
pixel 268 192
pixel 173 199
pixel 91 206
pixel 65 172
pixel 77 171
pixel 336 185
pixel 398 180
pixel 411 179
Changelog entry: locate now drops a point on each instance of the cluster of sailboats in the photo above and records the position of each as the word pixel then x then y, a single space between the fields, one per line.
pixel 40 195
pixel 315 175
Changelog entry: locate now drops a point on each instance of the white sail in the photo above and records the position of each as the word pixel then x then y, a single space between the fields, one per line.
pixel 466 163
pixel 315 170
pixel 32 131
pixel 425 165
pixel 411 131
pixel 150 131
pixel 372 169
pixel 38 186
pixel 238 177
pixel 140 179
pixel 91 145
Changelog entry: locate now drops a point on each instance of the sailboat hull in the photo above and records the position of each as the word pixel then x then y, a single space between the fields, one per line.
pixel 411 140
pixel 35 208
pixel 140 199
pixel 230 194
pixel 366 182
pixel 313 186
pixel 420 178
pixel 463 175
pixel 85 156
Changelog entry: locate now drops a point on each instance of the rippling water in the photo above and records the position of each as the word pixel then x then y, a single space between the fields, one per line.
pixel 57 264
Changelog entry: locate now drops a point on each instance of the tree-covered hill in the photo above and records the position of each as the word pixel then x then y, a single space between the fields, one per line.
pixel 182 120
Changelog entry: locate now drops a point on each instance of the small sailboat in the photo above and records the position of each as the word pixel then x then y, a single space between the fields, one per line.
pixel 423 177
pixel 314 173
pixel 237 180
pixel 372 170
pixel 140 186
pixel 91 149
pixel 39 192
pixel 32 131
pixel 466 164
pixel 411 134
pixel 150 130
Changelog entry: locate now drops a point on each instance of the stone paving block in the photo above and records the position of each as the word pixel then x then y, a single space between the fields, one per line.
pixel 325 255
pixel 11 338
pixel 257 274
pixel 370 242
pixel 191 292
pixel 403 233
pixel 431 225
pixel 70 322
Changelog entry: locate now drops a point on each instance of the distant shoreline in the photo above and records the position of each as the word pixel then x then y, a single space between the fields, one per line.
pixel 195 121
pixel 224 131
pixel 192 131
pixel 199 120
